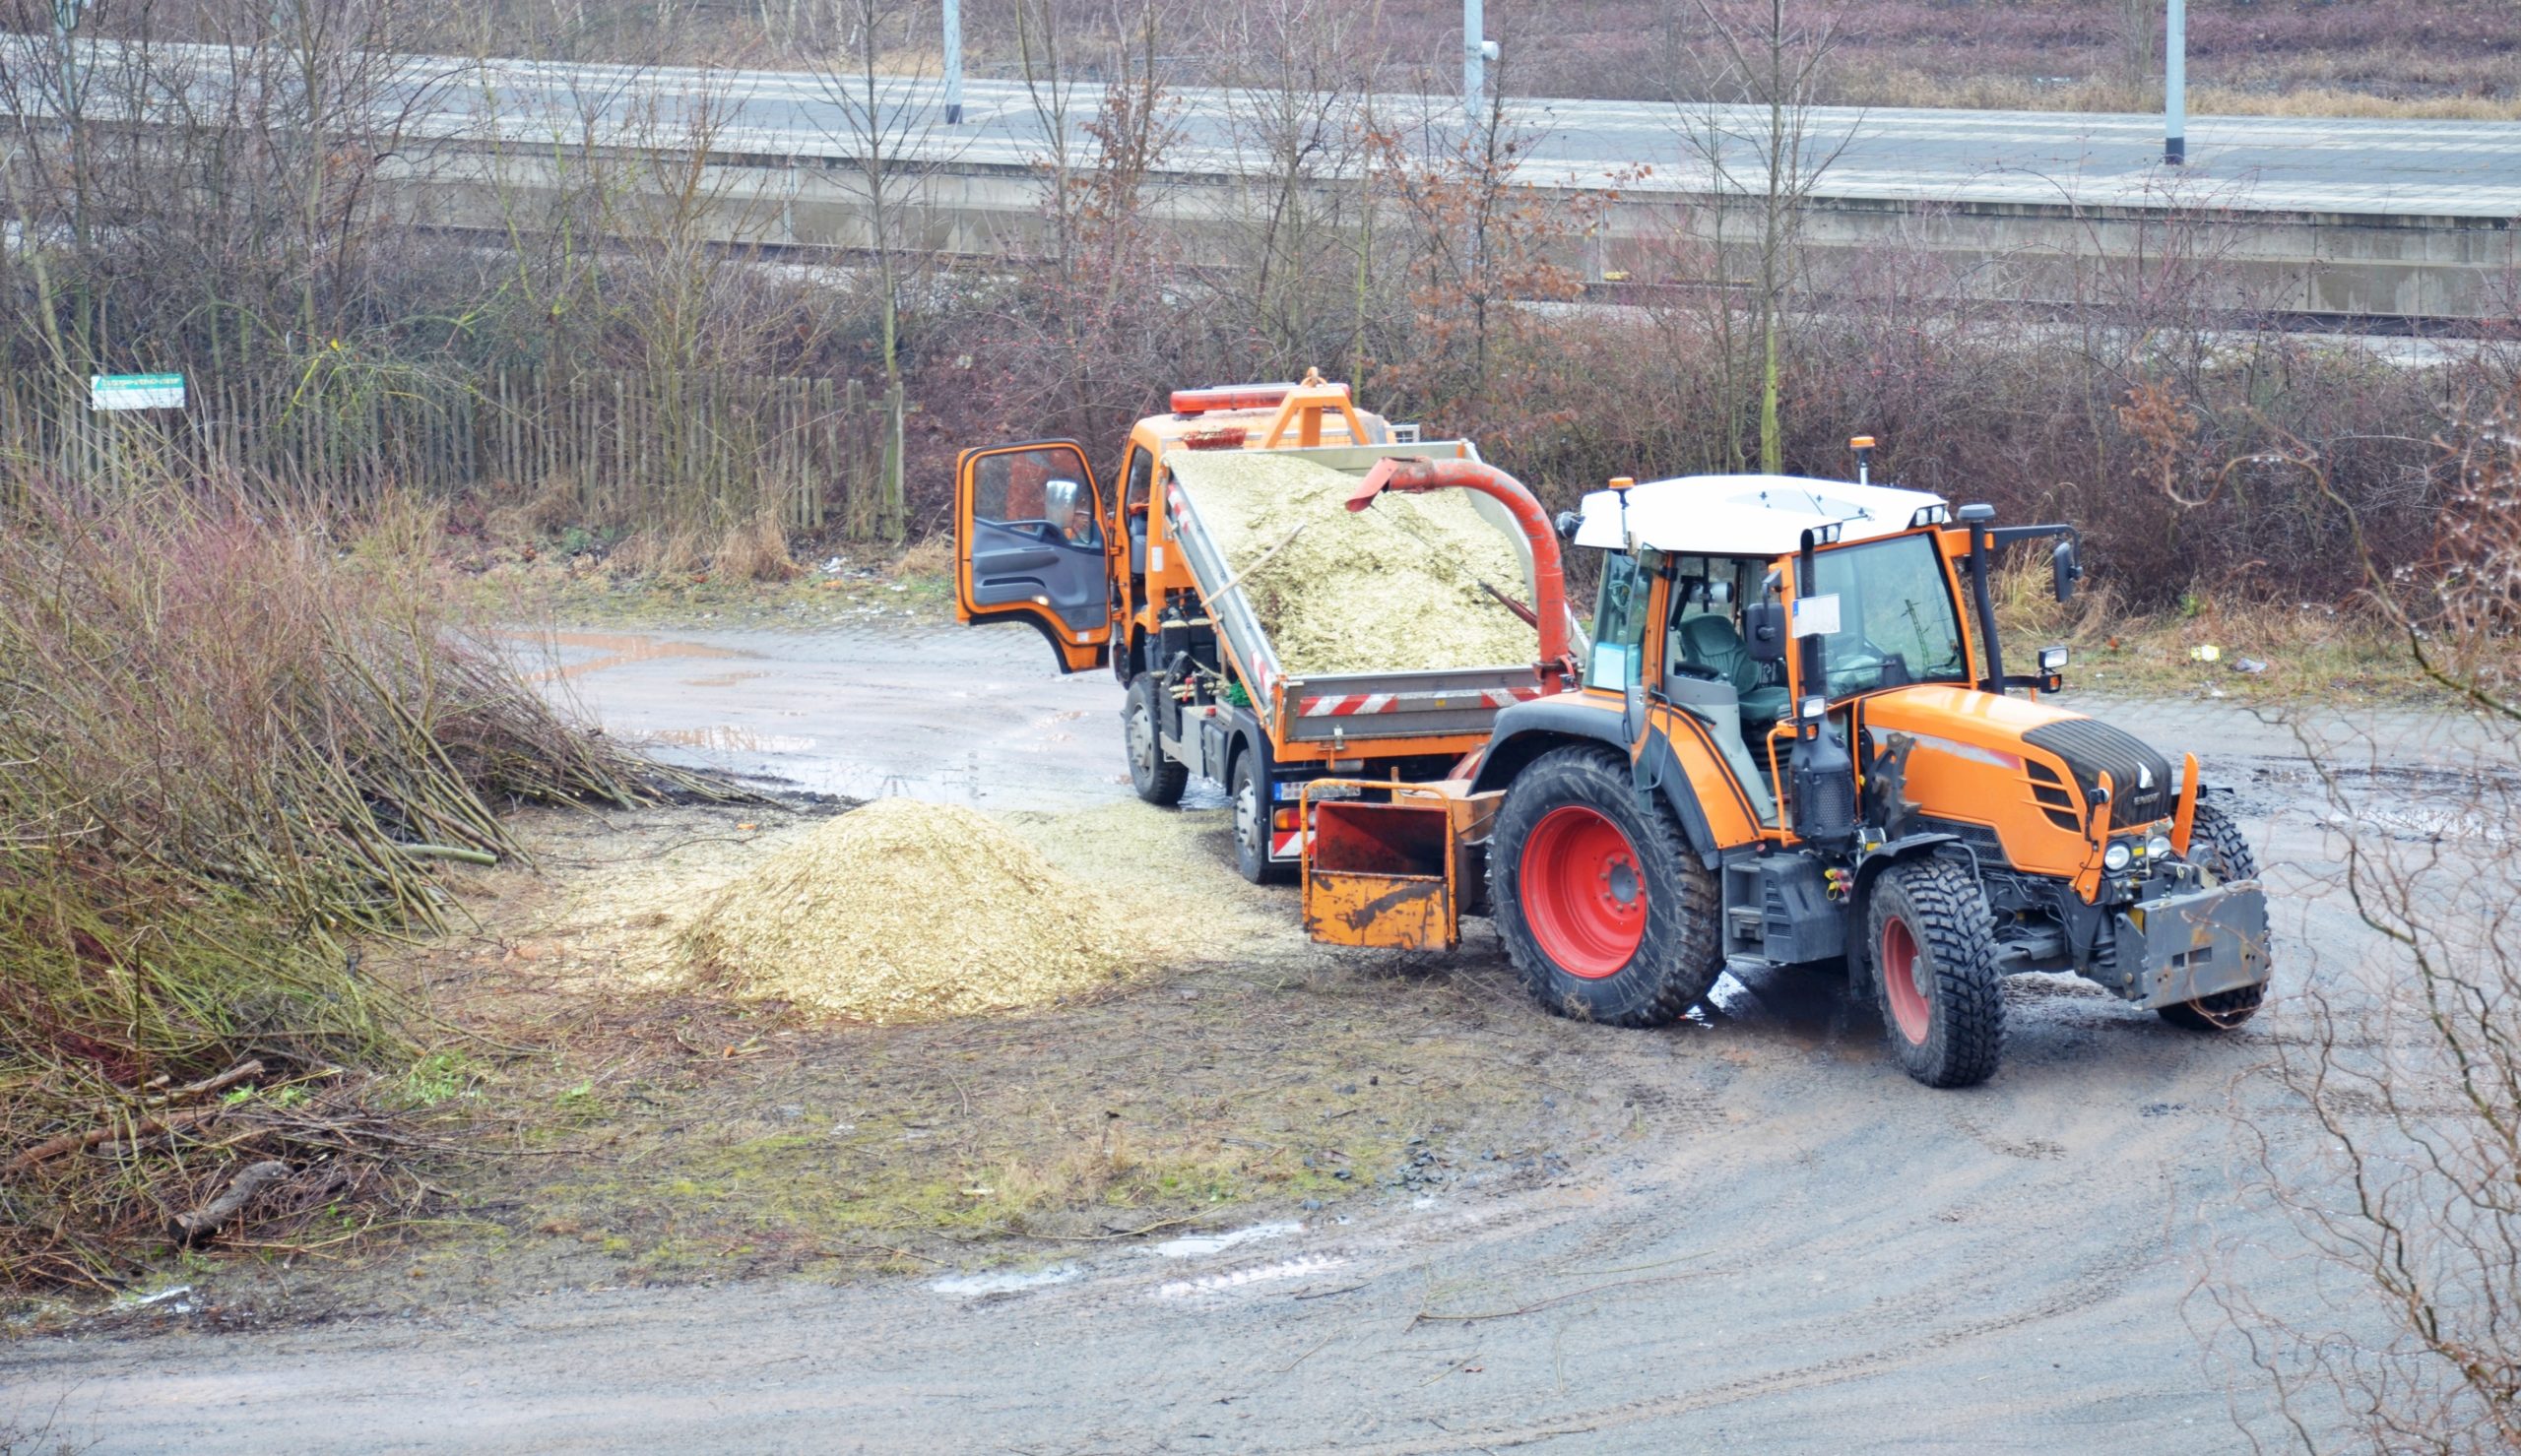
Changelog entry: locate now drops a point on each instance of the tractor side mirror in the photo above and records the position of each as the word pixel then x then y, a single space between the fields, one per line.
pixel 1763 631
pixel 2066 568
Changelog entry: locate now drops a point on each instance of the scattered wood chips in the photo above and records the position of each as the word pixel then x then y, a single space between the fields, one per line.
pixel 1394 587
pixel 906 911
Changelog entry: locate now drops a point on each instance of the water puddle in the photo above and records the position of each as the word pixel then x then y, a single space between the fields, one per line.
pixel 1215 1283
pixel 619 650
pixel 1001 1281
pixel 1199 1246
pixel 728 738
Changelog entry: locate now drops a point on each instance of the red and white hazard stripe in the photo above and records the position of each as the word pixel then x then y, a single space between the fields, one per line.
pixel 1350 705
pixel 1287 844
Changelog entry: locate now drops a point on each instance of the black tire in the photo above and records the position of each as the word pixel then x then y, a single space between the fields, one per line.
pixel 1946 1025
pixel 2215 843
pixel 1677 950
pixel 1251 824
pixel 1158 779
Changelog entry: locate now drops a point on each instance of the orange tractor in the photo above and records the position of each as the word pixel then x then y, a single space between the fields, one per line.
pixel 1789 738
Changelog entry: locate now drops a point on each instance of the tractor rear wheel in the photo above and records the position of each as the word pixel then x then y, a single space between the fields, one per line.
pixel 1600 903
pixel 1157 779
pixel 2217 843
pixel 1932 942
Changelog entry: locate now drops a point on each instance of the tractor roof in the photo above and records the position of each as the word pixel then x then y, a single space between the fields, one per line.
pixel 1748 515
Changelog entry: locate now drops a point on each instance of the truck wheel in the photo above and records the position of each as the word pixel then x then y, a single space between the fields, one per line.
pixel 1600 903
pixel 1251 824
pixel 1158 779
pixel 1933 941
pixel 2217 843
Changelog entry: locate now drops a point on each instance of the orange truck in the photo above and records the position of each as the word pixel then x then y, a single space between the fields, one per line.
pixel 1788 739
pixel 1124 575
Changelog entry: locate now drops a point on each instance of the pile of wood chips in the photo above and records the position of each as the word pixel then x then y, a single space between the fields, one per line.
pixel 1394 588
pixel 906 911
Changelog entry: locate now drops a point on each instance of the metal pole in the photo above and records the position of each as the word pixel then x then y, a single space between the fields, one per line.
pixel 1474 61
pixel 2175 84
pixel 954 62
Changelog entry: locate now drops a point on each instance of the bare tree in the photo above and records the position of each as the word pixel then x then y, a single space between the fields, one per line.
pixel 1755 134
pixel 2408 1197
pixel 886 112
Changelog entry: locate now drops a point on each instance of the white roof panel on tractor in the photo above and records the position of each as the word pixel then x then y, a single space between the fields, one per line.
pixel 1744 515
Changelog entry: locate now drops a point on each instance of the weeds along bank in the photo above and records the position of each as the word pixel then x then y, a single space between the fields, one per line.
pixel 232 747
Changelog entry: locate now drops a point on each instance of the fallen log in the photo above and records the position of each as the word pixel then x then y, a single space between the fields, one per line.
pixel 146 1128
pixel 242 1071
pixel 250 1180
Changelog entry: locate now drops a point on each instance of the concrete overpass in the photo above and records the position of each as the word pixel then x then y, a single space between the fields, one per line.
pixel 2387 221
pixel 2390 223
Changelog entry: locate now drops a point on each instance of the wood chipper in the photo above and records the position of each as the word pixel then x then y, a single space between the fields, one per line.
pixel 1143 580
pixel 1794 741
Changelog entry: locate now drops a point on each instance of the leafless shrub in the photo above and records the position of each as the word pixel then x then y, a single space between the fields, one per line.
pixel 2397 1326
pixel 232 747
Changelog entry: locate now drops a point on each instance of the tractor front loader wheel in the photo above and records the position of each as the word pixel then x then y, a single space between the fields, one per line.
pixel 1600 903
pixel 2215 843
pixel 1932 942
pixel 1157 779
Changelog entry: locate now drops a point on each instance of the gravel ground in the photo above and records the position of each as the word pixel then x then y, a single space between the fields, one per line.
pixel 1782 1241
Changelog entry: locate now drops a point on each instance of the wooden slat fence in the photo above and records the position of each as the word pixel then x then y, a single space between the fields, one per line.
pixel 635 449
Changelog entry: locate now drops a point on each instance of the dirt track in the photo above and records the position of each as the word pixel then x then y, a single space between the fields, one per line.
pixel 1788 1242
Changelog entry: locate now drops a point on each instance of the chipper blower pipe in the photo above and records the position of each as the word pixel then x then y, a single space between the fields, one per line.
pixel 1417 473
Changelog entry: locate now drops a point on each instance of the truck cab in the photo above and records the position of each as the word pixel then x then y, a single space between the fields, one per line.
pixel 1043 541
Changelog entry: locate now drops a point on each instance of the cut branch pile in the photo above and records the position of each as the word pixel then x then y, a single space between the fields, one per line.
pixel 230 749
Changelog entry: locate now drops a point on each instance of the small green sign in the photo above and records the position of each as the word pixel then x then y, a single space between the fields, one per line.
pixel 134 390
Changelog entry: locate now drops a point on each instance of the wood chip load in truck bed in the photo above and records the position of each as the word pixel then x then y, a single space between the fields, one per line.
pixel 1394 588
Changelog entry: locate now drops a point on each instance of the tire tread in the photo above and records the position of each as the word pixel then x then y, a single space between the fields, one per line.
pixel 1956 932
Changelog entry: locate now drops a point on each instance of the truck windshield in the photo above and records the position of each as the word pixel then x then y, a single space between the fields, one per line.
pixel 1896 621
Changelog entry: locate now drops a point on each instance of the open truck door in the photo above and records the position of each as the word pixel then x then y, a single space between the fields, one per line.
pixel 1030 546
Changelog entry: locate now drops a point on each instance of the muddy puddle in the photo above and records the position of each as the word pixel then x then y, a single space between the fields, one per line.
pixel 975 716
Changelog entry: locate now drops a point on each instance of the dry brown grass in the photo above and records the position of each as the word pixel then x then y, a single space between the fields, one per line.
pixel 755 550
pixel 929 556
pixel 2311 651
pixel 2104 94
pixel 230 751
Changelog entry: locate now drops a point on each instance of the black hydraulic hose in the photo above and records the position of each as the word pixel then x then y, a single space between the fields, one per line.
pixel 1995 683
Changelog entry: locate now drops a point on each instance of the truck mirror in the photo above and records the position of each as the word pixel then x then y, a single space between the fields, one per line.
pixel 2066 569
pixel 1763 631
pixel 1058 501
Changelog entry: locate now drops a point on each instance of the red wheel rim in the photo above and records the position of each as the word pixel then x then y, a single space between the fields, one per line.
pixel 1899 981
pixel 1584 895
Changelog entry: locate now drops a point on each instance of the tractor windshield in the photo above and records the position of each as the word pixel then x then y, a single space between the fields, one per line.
pixel 1896 620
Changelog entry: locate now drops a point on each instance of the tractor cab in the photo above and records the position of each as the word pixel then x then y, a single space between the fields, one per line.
pixel 1796 742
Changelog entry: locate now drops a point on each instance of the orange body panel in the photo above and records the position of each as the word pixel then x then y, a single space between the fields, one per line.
pixel 1390 874
pixel 1969 766
pixel 1078 649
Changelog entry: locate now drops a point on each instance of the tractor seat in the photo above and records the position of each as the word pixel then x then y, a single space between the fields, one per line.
pixel 1711 642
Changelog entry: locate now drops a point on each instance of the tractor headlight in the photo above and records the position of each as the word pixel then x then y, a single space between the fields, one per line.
pixel 2118 857
pixel 2158 846
pixel 2052 659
